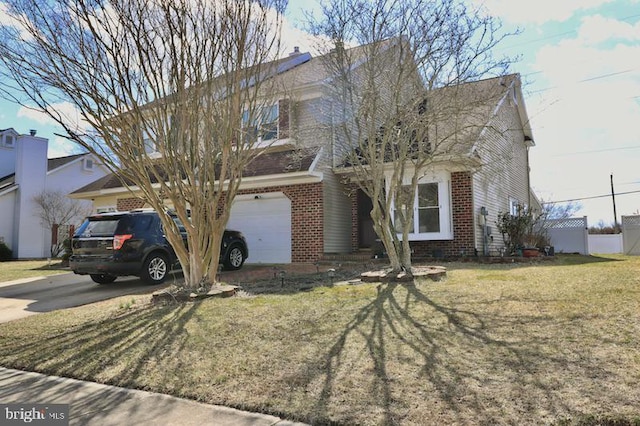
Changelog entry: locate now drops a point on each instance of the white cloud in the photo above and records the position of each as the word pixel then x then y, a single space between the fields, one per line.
pixel 66 112
pixel 597 29
pixel 292 37
pixel 61 147
pixel 586 123
pixel 538 12
pixel 6 19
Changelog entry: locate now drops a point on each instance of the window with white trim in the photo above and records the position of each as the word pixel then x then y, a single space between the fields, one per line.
pixel 431 209
pixel 513 206
pixel 262 125
pixel 9 141
pixel 516 208
pixel 148 140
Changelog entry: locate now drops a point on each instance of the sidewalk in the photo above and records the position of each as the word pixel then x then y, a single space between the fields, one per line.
pixel 96 404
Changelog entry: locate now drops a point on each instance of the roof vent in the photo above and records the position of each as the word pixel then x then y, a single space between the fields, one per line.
pixel 33 132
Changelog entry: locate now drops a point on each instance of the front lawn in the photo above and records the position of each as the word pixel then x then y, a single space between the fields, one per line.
pixel 18 269
pixel 492 344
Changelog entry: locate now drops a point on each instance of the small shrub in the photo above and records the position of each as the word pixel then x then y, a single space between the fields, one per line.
pixel 66 244
pixel 5 252
pixel 522 230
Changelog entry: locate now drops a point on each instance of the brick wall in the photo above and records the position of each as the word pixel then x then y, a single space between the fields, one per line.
pixel 307 241
pixel 355 228
pixel 125 204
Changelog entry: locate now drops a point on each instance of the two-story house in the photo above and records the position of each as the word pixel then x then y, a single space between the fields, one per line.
pixel 296 204
pixel 25 173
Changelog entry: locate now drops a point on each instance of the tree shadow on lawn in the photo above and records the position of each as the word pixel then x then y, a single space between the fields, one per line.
pixel 117 349
pixel 435 365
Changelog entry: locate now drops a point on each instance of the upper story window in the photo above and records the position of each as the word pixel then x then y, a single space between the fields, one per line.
pixel 267 123
pixel 263 126
pixel 149 142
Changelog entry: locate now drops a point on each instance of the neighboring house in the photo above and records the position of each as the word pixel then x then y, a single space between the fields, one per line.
pixel 295 204
pixel 25 172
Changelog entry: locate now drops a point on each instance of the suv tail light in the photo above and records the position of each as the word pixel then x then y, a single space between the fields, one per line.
pixel 118 240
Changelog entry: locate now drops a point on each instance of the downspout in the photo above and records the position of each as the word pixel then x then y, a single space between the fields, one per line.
pixel 528 177
pixel 333 137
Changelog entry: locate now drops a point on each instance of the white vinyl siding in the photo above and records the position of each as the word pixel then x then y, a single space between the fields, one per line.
pixel 503 178
pixel 337 216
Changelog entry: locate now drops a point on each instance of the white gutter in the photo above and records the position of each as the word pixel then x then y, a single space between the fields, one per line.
pixel 8 190
pixel 254 182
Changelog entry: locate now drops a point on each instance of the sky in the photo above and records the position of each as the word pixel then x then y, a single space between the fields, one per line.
pixel 580 65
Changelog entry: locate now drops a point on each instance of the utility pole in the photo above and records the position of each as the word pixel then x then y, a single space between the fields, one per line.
pixel 615 215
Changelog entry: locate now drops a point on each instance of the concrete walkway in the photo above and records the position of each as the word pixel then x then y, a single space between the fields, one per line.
pixel 96 404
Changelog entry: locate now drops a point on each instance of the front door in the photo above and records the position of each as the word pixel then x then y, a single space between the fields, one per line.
pixel 366 235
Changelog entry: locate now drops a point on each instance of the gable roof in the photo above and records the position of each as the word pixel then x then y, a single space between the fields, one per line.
pixel 460 114
pixel 54 163
pixel 467 110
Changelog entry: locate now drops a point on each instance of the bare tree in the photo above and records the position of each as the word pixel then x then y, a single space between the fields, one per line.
pixel 56 209
pixel 168 89
pixel 404 108
pixel 566 210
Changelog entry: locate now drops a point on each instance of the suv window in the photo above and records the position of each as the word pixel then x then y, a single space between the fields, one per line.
pixel 98 228
pixel 178 222
pixel 132 224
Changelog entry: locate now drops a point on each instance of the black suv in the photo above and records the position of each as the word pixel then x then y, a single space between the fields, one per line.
pixel 109 245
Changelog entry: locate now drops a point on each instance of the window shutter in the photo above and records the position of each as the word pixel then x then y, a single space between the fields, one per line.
pixel 283 118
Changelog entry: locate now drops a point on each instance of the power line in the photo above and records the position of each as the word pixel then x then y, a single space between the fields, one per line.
pixel 586 80
pixel 590 198
pixel 597 151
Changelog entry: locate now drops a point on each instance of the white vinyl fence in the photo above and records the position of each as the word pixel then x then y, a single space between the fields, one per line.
pixel 569 235
pixel 631 234
pixel 605 243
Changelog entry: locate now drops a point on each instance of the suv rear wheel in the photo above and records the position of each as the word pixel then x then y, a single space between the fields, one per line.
pixel 155 269
pixel 103 278
pixel 235 258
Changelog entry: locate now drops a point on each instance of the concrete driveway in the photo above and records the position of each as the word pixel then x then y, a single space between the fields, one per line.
pixel 22 298
pixel 26 297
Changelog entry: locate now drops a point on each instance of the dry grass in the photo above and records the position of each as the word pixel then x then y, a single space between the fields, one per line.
pixel 18 269
pixel 492 344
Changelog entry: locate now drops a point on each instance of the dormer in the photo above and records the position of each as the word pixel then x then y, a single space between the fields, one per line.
pixel 8 138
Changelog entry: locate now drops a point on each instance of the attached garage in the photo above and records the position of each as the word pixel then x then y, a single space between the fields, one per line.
pixel 265 221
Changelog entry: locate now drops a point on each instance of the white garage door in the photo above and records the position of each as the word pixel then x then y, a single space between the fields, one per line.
pixel 265 221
